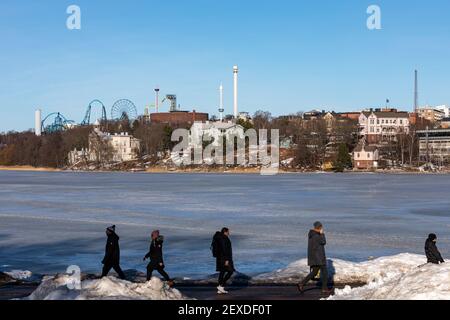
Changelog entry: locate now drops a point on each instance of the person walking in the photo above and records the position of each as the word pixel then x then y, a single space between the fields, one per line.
pixel 223 252
pixel 431 250
pixel 316 258
pixel 112 254
pixel 155 254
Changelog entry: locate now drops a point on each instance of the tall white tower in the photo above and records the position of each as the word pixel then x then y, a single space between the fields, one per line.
pixel 221 109
pixel 235 73
pixel 416 91
pixel 38 122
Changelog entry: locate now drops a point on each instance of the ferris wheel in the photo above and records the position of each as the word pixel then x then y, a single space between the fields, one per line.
pixel 123 109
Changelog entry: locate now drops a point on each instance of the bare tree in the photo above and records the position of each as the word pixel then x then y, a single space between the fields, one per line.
pixel 101 148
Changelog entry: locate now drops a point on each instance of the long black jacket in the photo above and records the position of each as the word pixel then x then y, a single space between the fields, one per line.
pixel 316 249
pixel 225 254
pixel 432 252
pixel 112 250
pixel 155 252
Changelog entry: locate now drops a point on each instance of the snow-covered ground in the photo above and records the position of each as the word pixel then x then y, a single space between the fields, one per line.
pixel 20 274
pixel 61 287
pixel 349 272
pixel 427 282
pixel 400 277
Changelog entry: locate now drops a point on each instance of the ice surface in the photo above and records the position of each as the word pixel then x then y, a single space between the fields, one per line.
pixel 49 221
pixel 109 288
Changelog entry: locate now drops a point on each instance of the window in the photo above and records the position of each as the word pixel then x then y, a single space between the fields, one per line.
pixel 368 156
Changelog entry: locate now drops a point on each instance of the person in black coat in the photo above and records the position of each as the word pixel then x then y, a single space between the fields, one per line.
pixel 155 254
pixel 431 250
pixel 112 254
pixel 224 259
pixel 317 259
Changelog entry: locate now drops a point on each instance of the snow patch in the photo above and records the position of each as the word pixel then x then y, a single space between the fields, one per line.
pixel 427 282
pixel 109 288
pixel 349 272
pixel 401 277
pixel 19 274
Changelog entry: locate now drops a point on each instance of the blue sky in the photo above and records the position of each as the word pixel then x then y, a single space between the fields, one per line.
pixel 293 55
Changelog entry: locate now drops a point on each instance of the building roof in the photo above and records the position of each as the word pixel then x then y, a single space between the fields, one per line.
pixel 386 114
pixel 362 147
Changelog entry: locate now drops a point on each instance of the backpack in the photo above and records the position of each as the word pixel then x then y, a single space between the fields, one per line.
pixel 215 244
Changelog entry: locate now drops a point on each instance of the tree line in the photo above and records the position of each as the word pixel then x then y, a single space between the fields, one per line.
pixel 315 143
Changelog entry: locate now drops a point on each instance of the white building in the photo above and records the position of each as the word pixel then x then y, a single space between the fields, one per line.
pixel 434 146
pixel 380 125
pixel 432 114
pixel 445 109
pixel 365 157
pixel 201 131
pixel 123 147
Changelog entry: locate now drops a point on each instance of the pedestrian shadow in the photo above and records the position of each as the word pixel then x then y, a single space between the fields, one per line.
pixel 240 280
pixel 331 273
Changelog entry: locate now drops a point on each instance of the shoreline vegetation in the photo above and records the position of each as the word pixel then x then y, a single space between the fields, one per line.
pixel 212 170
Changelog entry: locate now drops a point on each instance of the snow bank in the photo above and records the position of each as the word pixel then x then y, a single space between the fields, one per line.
pixel 19 274
pixel 401 277
pixel 428 282
pixel 346 272
pixel 56 288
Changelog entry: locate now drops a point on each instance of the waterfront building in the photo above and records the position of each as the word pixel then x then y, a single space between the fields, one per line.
pixel 365 157
pixel 383 124
pixel 119 147
pixel 434 146
pixel 214 131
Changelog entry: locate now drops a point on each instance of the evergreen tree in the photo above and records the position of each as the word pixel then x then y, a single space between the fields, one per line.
pixel 343 159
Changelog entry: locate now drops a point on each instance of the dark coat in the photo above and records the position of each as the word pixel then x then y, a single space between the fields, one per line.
pixel 225 254
pixel 432 252
pixel 155 252
pixel 112 250
pixel 316 249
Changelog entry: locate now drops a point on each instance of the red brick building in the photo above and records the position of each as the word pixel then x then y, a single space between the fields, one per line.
pixel 179 117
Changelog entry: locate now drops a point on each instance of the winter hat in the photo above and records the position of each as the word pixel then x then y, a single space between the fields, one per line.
pixel 432 237
pixel 318 225
pixel 111 229
pixel 155 233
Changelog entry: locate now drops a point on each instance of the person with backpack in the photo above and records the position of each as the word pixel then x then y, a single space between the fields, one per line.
pixel 431 250
pixel 112 254
pixel 223 252
pixel 316 258
pixel 155 254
